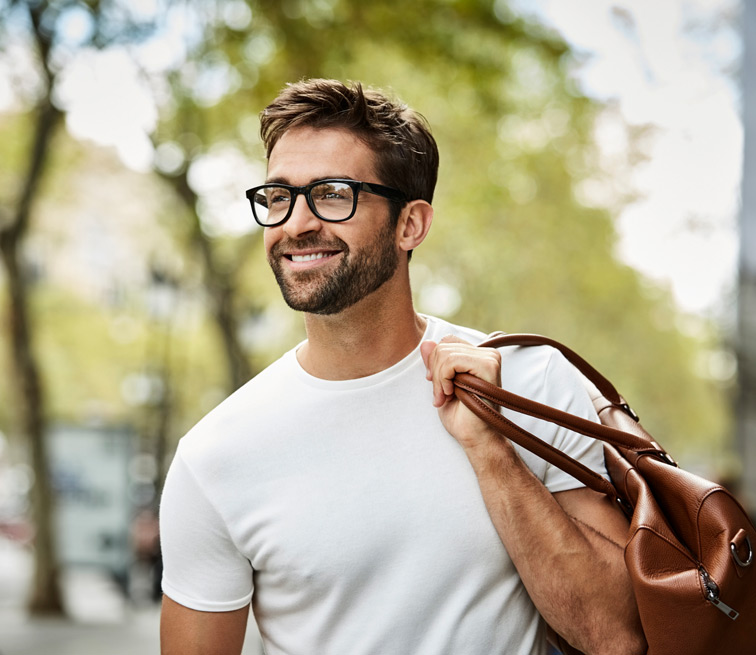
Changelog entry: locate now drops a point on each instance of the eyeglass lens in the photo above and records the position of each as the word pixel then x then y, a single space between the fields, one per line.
pixel 332 201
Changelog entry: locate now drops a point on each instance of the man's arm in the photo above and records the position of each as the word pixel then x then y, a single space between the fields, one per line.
pixel 566 549
pixel 565 546
pixel 184 631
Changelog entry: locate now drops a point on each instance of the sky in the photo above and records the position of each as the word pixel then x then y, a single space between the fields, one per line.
pixel 671 64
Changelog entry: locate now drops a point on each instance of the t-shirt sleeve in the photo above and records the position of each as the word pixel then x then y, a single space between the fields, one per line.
pixel 563 388
pixel 202 568
pixel 567 392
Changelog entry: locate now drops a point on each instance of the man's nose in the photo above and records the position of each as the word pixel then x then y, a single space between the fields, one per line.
pixel 302 220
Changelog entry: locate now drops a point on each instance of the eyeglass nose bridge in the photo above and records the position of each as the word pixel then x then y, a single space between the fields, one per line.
pixel 305 191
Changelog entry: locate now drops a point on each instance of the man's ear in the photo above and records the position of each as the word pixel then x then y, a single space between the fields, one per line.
pixel 414 224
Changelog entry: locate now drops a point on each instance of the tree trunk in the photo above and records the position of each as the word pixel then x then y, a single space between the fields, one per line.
pixel 46 595
pixel 220 289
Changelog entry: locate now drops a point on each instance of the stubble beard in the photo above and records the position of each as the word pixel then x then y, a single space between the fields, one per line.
pixel 355 277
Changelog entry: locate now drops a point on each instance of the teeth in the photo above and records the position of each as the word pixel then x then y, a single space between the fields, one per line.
pixel 307 258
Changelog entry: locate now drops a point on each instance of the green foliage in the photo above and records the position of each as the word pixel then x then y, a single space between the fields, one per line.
pixel 513 235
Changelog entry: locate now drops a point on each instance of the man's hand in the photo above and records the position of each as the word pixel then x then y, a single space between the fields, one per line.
pixel 443 361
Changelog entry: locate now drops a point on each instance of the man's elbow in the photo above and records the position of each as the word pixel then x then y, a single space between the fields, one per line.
pixel 620 640
pixel 630 643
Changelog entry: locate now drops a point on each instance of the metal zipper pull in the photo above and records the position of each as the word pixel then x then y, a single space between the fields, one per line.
pixel 712 595
pixel 723 607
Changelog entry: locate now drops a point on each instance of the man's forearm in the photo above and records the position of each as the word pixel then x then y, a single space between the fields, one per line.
pixel 575 575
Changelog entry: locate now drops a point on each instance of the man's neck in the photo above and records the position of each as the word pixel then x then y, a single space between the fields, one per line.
pixel 364 339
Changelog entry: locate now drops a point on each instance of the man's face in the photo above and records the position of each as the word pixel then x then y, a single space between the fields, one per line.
pixel 324 268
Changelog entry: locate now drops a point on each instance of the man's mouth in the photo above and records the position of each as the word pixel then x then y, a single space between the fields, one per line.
pixel 303 256
pixel 309 258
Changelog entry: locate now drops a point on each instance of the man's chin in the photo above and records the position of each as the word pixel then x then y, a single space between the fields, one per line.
pixel 316 308
pixel 309 303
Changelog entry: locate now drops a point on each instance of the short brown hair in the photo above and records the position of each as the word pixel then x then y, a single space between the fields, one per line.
pixel 406 155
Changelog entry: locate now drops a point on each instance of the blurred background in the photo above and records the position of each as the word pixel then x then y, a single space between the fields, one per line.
pixel 592 187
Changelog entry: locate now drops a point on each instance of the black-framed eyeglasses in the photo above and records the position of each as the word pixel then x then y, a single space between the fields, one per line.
pixel 332 200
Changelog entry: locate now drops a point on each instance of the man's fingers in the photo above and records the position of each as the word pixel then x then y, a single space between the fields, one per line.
pixel 453 355
pixel 450 338
pixel 426 351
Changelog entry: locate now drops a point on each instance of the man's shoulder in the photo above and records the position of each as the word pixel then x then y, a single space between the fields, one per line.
pixel 517 361
pixel 542 373
pixel 439 328
pixel 241 413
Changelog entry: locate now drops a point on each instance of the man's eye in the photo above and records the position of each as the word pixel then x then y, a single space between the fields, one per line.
pixel 332 192
pixel 278 198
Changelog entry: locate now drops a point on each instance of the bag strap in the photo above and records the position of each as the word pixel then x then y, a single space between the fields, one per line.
pixel 607 389
pixel 474 393
pixel 530 442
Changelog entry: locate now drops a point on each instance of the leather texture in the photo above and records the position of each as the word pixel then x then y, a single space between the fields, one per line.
pixel 689 548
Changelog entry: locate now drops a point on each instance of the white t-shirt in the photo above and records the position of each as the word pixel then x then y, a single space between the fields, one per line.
pixel 349 516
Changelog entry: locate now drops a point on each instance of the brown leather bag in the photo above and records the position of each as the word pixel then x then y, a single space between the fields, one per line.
pixel 690 545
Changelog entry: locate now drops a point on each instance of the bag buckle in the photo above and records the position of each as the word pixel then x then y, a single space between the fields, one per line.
pixel 629 411
pixel 736 556
pixel 626 507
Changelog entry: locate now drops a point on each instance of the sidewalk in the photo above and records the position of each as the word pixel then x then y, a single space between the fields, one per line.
pixel 101 621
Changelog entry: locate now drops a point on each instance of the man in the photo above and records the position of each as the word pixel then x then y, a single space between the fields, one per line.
pixel 344 491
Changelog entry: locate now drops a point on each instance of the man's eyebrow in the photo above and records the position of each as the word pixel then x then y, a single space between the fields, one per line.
pixel 283 180
pixel 276 180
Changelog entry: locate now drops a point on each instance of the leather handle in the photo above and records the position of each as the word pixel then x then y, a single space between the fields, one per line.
pixel 474 393
pixel 523 405
pixel 606 388
pixel 530 442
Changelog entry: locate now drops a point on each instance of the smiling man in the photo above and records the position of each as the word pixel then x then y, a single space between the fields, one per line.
pixel 343 493
pixel 317 275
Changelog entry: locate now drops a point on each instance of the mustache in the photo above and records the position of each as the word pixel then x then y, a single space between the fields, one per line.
pixel 308 243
